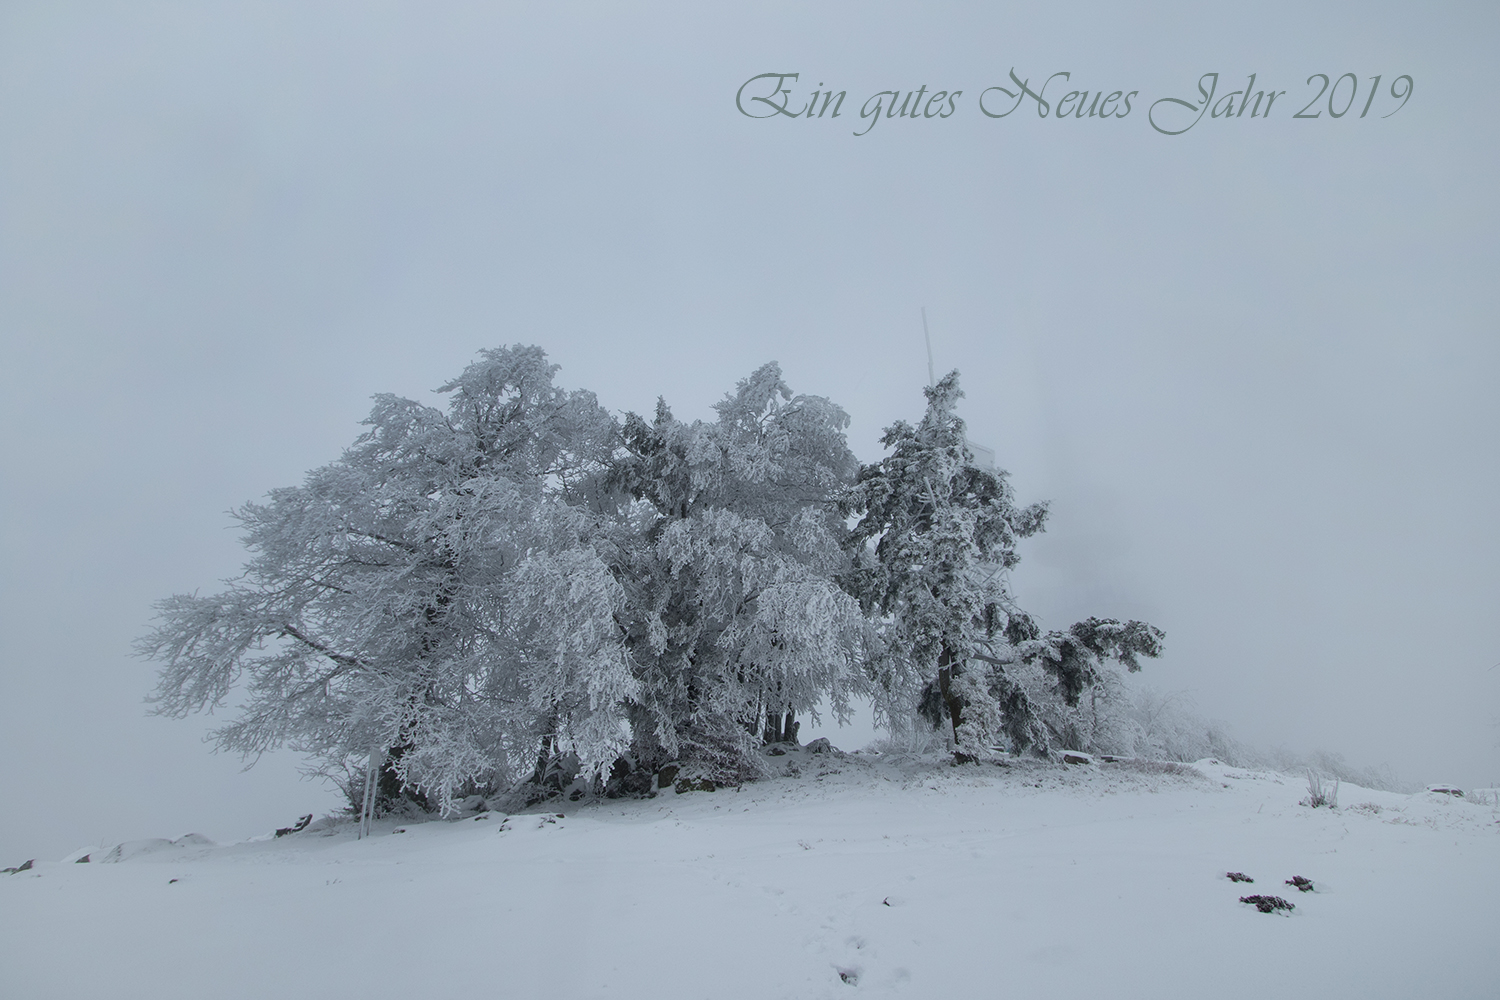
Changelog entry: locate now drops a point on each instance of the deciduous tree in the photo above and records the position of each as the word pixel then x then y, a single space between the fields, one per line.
pixel 432 601
pixel 728 556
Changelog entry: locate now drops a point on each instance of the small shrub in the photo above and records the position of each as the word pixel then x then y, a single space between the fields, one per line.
pixel 1319 794
pixel 1302 884
pixel 1239 877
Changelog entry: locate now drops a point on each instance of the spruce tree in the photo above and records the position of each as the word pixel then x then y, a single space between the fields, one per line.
pixel 934 537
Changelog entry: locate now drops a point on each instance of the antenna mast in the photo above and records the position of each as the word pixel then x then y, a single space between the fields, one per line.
pixel 984 457
pixel 931 379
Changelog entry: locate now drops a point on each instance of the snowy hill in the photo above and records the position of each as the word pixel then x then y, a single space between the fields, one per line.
pixel 862 875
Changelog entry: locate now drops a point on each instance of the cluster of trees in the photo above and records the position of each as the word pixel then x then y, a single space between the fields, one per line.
pixel 521 588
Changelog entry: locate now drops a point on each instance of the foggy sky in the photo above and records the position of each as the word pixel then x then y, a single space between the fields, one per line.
pixel 1254 367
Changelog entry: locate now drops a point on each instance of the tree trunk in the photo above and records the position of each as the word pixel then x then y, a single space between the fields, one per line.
pixel 953 701
pixel 779 728
pixel 389 787
pixel 545 757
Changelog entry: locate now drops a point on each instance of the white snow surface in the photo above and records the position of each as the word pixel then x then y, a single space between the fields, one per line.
pixel 863 876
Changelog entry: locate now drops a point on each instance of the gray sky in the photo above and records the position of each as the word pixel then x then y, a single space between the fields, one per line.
pixel 1253 366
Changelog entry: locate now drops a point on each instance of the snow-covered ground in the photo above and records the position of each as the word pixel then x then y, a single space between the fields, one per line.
pixel 864 875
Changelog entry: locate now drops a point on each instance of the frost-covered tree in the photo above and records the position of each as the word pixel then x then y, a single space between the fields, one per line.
pixel 727 556
pixel 431 603
pixel 934 538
